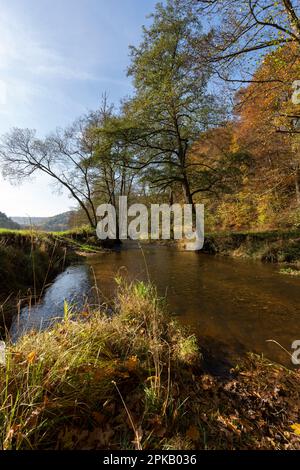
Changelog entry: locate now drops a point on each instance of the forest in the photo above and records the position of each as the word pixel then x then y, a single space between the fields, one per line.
pixel 213 118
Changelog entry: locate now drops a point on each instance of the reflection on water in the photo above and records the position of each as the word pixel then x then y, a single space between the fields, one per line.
pixel 71 285
pixel 233 305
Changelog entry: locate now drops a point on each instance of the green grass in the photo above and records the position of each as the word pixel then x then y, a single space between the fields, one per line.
pixel 86 230
pixel 77 245
pixel 72 376
pixel 277 246
pixel 290 271
pixel 134 380
pixel 81 239
pixel 266 234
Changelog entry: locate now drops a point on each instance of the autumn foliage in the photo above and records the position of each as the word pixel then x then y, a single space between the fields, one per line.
pixel 263 129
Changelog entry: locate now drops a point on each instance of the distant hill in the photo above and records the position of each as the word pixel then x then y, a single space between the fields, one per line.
pixel 6 222
pixel 57 223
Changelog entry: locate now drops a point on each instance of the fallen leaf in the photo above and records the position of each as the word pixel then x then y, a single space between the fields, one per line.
pixel 131 363
pixel 123 375
pixel 193 433
pixel 296 428
pixel 31 357
pixel 98 417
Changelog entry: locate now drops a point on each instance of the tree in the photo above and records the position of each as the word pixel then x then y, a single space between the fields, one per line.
pixel 245 28
pixel 265 127
pixel 112 158
pixel 224 164
pixel 171 105
pixel 66 156
pixel 84 159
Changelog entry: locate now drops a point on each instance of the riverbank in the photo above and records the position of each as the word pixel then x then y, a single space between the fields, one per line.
pixel 136 380
pixel 276 246
pixel 272 246
pixel 28 264
pixel 29 261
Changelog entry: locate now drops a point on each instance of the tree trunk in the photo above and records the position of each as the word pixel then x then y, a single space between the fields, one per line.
pixel 187 193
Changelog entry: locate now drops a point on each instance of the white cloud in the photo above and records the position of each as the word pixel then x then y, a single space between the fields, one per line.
pixel 3 93
pixel 32 73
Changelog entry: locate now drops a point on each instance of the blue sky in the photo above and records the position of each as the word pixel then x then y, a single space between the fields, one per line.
pixel 56 59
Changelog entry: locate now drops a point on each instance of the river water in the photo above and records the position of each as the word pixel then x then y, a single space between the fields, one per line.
pixel 233 305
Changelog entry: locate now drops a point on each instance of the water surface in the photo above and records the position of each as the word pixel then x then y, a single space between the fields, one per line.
pixel 233 305
pixel 71 286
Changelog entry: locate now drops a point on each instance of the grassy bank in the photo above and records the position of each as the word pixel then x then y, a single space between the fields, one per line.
pixel 30 259
pixel 80 239
pixel 28 263
pixel 277 246
pixel 273 246
pixel 135 380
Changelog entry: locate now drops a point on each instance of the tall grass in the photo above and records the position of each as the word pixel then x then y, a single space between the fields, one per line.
pixel 134 380
pixel 27 264
pixel 96 381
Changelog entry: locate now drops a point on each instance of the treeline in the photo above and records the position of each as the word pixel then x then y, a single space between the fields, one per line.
pixel 6 222
pixel 211 120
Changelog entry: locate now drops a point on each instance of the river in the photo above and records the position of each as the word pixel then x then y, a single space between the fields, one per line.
pixel 233 305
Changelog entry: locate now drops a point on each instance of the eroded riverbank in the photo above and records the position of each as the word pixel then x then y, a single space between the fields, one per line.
pixel 30 260
pixel 28 263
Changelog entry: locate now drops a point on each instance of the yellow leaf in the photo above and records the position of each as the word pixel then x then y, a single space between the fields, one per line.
pixel 84 314
pixel 31 357
pixel 131 363
pixel 193 433
pixel 296 428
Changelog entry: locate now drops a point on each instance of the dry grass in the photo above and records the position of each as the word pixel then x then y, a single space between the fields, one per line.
pixel 134 381
pixel 93 382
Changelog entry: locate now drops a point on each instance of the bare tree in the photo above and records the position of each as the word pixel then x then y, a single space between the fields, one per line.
pixel 83 158
pixel 243 29
pixel 66 156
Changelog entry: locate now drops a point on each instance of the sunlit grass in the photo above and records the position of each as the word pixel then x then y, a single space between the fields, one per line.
pixel 133 379
pixel 64 376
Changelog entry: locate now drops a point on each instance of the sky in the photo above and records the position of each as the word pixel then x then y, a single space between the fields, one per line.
pixel 57 57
